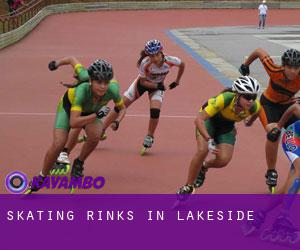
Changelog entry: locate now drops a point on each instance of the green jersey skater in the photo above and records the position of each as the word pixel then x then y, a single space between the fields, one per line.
pixel 82 76
pixel 215 129
pixel 82 107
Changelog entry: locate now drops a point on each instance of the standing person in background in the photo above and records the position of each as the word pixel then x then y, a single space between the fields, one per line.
pixel 10 6
pixel 262 8
pixel 13 5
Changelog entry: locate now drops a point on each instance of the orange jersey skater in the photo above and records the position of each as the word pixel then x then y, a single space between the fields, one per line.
pixel 280 89
pixel 276 99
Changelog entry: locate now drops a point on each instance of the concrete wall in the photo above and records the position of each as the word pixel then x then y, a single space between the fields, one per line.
pixel 12 37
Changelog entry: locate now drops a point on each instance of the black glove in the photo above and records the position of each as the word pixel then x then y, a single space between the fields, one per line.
pixel 244 70
pixel 173 85
pixel 116 125
pixel 52 65
pixel 274 134
pixel 161 86
pixel 103 112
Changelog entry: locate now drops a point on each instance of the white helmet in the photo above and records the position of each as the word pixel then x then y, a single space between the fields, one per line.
pixel 246 85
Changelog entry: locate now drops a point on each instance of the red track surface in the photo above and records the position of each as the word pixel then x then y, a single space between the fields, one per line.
pixel 28 87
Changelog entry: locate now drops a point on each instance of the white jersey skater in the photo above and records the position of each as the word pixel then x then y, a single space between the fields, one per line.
pixel 154 74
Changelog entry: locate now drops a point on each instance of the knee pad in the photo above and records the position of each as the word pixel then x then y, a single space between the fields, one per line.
pixel 295 186
pixel 154 113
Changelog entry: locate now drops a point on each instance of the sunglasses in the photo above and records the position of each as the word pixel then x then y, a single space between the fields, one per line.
pixel 249 97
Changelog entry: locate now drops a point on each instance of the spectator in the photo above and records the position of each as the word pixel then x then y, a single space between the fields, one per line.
pixel 262 8
pixel 13 5
pixel 10 6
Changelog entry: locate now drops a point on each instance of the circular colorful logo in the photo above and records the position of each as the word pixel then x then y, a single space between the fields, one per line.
pixel 16 182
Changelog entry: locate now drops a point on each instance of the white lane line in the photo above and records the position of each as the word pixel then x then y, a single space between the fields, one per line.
pixel 129 115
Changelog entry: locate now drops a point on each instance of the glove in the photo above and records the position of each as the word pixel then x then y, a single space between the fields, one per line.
pixel 52 65
pixel 173 85
pixel 244 70
pixel 161 86
pixel 274 134
pixel 102 112
pixel 211 145
pixel 115 125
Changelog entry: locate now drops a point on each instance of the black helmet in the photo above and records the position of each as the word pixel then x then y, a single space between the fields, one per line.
pixel 101 70
pixel 291 58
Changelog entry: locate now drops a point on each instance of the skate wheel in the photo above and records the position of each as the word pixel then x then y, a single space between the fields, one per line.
pixel 295 238
pixel 266 235
pixel 275 237
pixel 103 137
pixel 72 190
pixel 28 191
pixel 272 190
pixel 60 169
pixel 81 139
pixel 143 151
pixel 66 171
pixel 248 229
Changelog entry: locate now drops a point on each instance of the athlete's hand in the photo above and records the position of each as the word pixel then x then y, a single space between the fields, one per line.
pixel 115 125
pixel 212 146
pixel 244 70
pixel 52 65
pixel 173 85
pixel 274 134
pixel 161 86
pixel 102 112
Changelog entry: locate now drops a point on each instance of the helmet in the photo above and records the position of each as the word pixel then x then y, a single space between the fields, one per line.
pixel 152 47
pixel 101 70
pixel 291 58
pixel 246 85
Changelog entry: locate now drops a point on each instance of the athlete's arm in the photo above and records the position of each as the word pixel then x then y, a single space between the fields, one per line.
pixel 201 118
pixel 248 122
pixel 274 134
pixel 53 65
pixel 258 53
pixel 121 114
pixel 292 110
pixel 78 121
pixel 116 116
pixel 73 61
